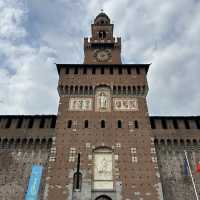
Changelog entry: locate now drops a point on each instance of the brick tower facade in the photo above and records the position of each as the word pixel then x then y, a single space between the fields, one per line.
pixel 103 147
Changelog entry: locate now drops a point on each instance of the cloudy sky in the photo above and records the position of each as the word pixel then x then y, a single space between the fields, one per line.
pixel 35 34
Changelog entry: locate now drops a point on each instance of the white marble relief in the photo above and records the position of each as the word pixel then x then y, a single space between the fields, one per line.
pixel 125 104
pixel 80 104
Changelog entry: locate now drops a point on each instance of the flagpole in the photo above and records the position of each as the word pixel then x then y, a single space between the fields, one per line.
pixel 195 190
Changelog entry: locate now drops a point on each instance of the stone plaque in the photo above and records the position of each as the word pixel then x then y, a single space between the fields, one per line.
pixel 80 104
pixel 103 171
pixel 102 100
pixel 125 104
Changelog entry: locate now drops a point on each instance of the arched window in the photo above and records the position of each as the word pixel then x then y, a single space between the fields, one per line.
pixel 102 34
pixel 84 70
pixel 102 70
pixel 111 70
pixel 134 90
pixel 114 89
pixel 103 124
pixel 90 90
pixel 119 124
pixel 129 90
pixel 120 70
pixel 76 89
pixel 49 143
pixel 136 124
pixel 69 124
pixel 8 123
pixel 42 122
pixel 103 197
pixel 81 90
pixel 128 70
pixel 86 124
pixel 86 90
pixel 71 89
pixel 119 89
pixel 124 89
pixel 76 70
pixel 93 70
pixel 30 123
pixel 66 90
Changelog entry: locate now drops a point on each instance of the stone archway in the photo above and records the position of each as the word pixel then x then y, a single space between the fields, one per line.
pixel 103 197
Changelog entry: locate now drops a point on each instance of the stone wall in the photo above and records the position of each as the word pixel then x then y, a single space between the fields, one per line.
pixel 176 181
pixel 15 170
pixel 20 148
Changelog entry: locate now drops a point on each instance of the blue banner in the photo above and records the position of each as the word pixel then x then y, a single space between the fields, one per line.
pixel 34 183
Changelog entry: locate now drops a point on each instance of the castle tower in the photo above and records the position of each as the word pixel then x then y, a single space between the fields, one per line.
pixel 103 147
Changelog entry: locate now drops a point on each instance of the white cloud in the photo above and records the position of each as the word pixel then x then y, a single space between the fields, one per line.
pixel 38 33
pixel 27 74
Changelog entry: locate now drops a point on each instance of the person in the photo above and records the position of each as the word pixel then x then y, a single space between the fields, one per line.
pixel 103 100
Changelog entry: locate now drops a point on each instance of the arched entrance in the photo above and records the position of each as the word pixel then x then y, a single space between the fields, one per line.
pixel 103 197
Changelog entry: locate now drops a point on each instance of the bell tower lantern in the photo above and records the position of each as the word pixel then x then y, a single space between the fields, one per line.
pixel 102 47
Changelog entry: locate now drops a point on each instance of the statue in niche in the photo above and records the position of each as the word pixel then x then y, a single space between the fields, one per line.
pixel 103 101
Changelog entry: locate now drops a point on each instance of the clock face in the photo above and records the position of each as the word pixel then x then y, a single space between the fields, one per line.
pixel 102 55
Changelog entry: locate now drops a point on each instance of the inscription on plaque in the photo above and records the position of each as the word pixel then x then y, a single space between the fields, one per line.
pixel 80 104
pixel 103 176
pixel 125 104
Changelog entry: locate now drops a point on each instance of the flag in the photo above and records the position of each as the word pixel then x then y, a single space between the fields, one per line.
pixel 198 167
pixel 185 168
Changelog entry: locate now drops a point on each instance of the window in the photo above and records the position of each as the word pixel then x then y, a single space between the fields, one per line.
pixel 76 70
pixel 129 70
pixel 129 90
pixel 153 125
pixel 124 89
pixel 164 124
pixel 67 71
pixel 81 90
pixel 71 89
pixel 119 124
pixel 138 70
pixel 197 124
pixel 94 70
pixel 84 70
pixel 30 124
pixel 8 123
pixel 102 34
pixel 134 159
pixel 86 124
pixel 69 124
pixel 111 70
pixel 136 124
pixel 102 70
pixel 114 90
pixel 42 122
pixel 103 124
pixel 19 123
pixel 76 90
pixel 120 70
pixel 175 124
pixel 187 125
pixel 119 89
pixel 90 90
pixel 53 122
